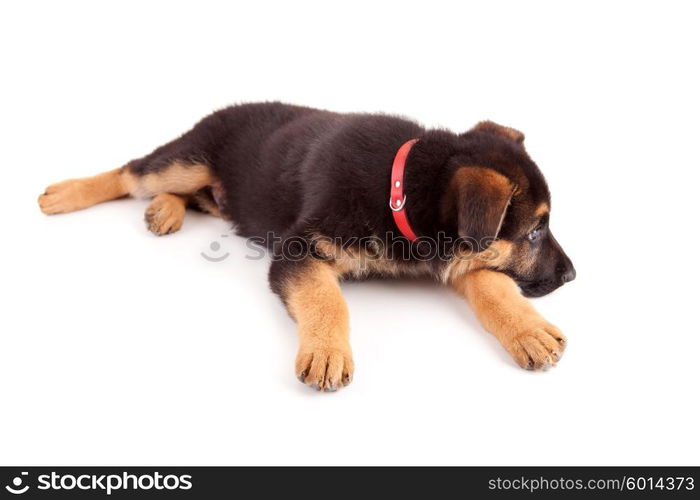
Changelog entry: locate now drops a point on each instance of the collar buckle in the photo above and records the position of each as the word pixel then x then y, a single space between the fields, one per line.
pixel 398 204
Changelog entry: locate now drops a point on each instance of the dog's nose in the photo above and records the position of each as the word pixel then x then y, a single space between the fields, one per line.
pixel 569 275
pixel 566 271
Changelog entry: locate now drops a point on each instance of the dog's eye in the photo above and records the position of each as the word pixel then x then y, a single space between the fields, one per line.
pixel 534 234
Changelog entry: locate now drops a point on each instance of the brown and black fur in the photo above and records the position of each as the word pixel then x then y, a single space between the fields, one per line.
pixel 315 183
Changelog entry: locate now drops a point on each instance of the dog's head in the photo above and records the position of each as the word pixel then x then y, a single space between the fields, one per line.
pixel 499 201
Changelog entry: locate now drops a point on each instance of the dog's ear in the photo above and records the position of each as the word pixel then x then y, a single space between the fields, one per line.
pixel 477 201
pixel 500 130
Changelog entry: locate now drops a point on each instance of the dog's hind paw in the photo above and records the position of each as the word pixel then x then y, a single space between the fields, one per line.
pixel 62 197
pixel 165 214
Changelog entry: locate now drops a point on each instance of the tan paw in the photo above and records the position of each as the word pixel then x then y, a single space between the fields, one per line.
pixel 165 214
pixel 538 346
pixel 325 368
pixel 64 197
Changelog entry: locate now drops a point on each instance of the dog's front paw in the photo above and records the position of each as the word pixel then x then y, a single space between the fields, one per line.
pixel 325 368
pixel 537 346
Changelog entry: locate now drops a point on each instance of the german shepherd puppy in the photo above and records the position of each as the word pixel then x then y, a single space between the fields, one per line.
pixel 318 189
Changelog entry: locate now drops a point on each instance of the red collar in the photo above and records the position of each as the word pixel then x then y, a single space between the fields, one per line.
pixel 397 198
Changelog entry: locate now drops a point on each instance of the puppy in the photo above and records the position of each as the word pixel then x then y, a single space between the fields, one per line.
pixel 351 196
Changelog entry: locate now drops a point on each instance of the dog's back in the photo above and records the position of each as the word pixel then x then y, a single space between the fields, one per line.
pixel 275 163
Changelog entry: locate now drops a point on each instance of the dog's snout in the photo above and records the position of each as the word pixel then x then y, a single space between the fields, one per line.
pixel 569 275
pixel 566 271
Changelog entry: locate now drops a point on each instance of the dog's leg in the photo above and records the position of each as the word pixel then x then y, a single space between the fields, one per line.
pixel 311 292
pixel 533 342
pixel 171 185
pixel 205 202
pixel 75 194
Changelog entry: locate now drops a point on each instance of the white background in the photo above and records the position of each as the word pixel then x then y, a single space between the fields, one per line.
pixel 119 347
